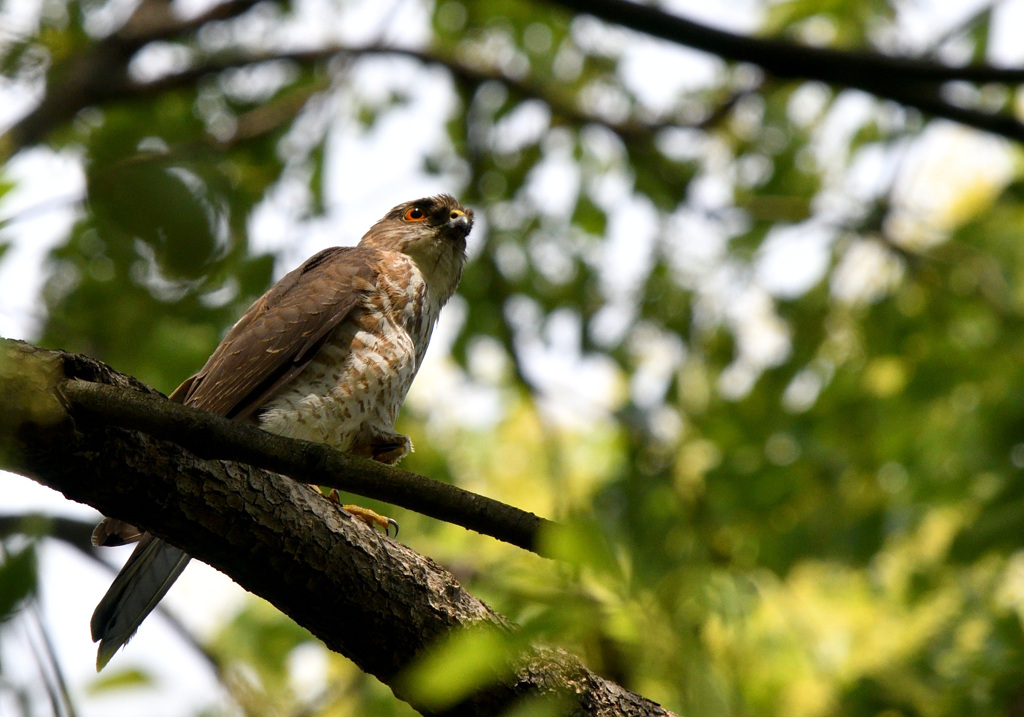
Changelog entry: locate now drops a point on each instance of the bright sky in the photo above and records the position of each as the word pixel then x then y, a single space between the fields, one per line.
pixel 48 184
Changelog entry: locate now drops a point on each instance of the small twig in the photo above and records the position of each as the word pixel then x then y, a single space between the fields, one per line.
pixel 56 683
pixel 965 25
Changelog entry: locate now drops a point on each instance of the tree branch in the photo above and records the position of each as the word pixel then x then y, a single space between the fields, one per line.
pixel 154 20
pixel 214 437
pixel 562 105
pixel 366 596
pixel 98 74
pixel 912 82
pixel 76 533
pixel 782 58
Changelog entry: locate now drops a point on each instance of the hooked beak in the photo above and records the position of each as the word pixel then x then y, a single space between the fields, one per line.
pixel 459 223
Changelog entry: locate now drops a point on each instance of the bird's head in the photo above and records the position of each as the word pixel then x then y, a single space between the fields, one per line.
pixel 432 231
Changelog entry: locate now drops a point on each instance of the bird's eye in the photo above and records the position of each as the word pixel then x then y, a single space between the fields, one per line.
pixel 415 214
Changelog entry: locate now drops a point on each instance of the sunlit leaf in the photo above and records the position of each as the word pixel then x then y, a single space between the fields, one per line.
pixel 124 679
pixel 581 542
pixel 463 663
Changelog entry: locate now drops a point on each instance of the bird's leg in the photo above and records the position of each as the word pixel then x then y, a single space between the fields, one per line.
pixel 370 517
pixel 384 449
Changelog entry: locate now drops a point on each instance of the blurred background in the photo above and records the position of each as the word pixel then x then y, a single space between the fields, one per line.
pixel 756 341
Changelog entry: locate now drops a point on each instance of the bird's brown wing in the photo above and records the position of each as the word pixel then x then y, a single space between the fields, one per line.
pixel 276 338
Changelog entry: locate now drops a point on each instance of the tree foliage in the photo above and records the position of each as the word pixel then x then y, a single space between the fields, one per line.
pixel 754 336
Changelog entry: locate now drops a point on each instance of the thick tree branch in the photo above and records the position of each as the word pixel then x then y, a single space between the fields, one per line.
pixel 214 437
pixel 366 596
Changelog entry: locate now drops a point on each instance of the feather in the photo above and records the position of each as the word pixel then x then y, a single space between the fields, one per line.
pixel 147 576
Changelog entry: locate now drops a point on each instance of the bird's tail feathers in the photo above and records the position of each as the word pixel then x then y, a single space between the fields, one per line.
pixel 147 576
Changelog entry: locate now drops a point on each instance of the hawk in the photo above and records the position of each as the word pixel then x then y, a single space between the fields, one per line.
pixel 327 354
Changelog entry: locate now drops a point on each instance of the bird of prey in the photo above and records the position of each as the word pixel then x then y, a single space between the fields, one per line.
pixel 327 354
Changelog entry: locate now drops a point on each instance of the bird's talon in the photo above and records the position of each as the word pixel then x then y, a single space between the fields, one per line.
pixel 391 523
pixel 371 518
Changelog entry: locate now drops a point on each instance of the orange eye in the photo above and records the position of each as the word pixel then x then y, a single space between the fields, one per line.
pixel 415 214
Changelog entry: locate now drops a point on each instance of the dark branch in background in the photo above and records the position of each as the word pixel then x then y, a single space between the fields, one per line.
pixel 783 58
pixel 117 86
pixel 562 106
pixel 99 74
pixel 153 21
pixel 363 594
pixel 76 533
pixel 912 82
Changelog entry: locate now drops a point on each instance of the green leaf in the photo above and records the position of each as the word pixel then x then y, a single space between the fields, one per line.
pixel 316 182
pixel 147 197
pixel 980 33
pixel 589 217
pixel 18 579
pixel 114 680
pixel 463 663
pixel 581 541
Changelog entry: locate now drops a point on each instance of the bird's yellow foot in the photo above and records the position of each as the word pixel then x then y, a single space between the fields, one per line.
pixel 370 517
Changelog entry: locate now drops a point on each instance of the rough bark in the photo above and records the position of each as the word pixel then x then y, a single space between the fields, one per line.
pixel 363 594
pixel 211 436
